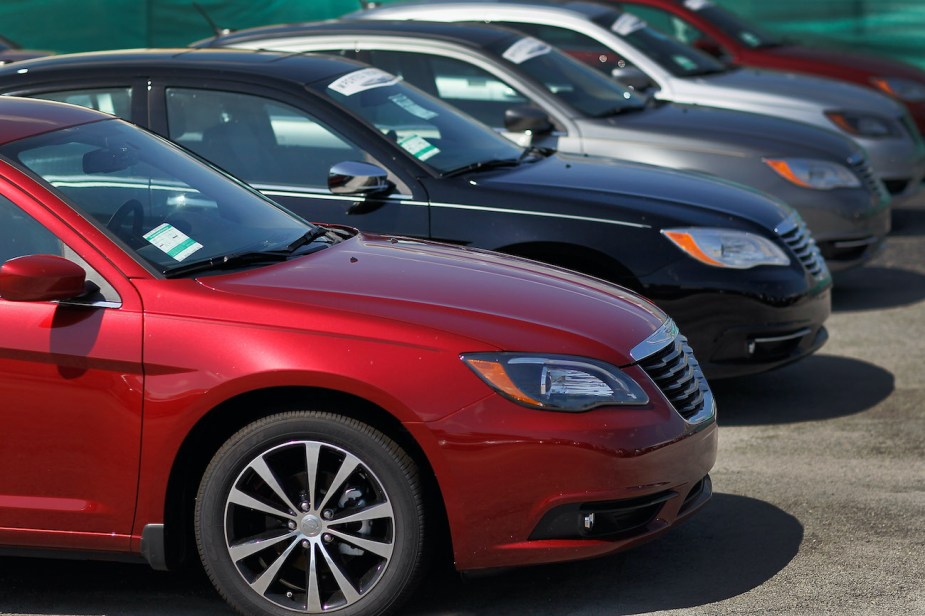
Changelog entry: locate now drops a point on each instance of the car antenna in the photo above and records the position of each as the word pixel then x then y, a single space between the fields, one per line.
pixel 215 29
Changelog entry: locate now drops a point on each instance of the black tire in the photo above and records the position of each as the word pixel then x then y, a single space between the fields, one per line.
pixel 345 518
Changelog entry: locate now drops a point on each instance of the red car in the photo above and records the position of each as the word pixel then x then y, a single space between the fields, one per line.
pixel 185 363
pixel 724 34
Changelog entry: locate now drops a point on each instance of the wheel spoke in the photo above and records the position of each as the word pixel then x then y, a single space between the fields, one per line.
pixel 238 497
pixel 259 466
pixel 347 467
pixel 312 592
pixel 249 548
pixel 312 451
pixel 262 583
pixel 379 548
pixel 350 593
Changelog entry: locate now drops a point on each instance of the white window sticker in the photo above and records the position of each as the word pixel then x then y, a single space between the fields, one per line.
pixel 413 108
pixel 363 79
pixel 172 241
pixel 697 5
pixel 627 23
pixel 525 49
pixel 419 147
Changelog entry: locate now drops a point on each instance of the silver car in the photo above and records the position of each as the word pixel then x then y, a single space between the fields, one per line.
pixel 532 92
pixel 620 43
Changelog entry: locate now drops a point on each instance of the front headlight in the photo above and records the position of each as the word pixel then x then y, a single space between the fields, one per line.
pixel 727 247
pixel 901 88
pixel 812 173
pixel 556 382
pixel 861 124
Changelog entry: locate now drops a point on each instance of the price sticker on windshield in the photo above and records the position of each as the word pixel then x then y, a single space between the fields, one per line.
pixel 420 148
pixel 697 5
pixel 627 23
pixel 172 242
pixel 526 49
pixel 362 80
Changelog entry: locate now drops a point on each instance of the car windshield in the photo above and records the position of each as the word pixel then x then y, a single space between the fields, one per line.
pixel 736 27
pixel 426 128
pixel 674 56
pixel 164 205
pixel 575 83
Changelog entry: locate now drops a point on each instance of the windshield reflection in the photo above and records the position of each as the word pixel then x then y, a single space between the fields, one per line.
pixel 436 135
pixel 162 204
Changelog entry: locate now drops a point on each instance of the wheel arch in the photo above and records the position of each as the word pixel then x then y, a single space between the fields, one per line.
pixel 220 423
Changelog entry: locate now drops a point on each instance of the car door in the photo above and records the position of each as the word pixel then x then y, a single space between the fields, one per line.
pixel 71 384
pixel 274 143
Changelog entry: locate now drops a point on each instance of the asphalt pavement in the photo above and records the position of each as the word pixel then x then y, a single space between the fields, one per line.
pixel 819 503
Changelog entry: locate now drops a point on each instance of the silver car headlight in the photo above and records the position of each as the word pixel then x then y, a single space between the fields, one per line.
pixel 727 247
pixel 901 88
pixel 556 382
pixel 813 173
pixel 860 124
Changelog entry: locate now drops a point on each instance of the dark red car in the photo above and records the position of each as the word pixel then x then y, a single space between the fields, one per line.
pixel 722 33
pixel 186 365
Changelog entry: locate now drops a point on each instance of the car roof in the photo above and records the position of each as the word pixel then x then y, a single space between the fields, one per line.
pixel 589 9
pixel 24 117
pixel 469 34
pixel 296 68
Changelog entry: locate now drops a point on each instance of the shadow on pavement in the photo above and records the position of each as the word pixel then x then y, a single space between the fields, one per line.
pixel 90 588
pixel 818 387
pixel 873 287
pixel 908 221
pixel 731 547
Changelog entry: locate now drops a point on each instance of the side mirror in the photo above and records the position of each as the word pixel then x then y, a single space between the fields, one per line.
pixel 357 178
pixel 632 78
pixel 41 278
pixel 524 118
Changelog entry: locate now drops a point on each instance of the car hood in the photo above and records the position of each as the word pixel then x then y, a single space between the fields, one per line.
pixel 493 301
pixel 781 91
pixel 805 58
pixel 625 189
pixel 708 129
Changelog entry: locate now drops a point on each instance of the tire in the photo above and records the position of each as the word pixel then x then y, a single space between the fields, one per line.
pixel 311 512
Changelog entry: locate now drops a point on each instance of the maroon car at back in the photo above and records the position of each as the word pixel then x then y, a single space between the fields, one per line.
pixel 722 33
pixel 317 411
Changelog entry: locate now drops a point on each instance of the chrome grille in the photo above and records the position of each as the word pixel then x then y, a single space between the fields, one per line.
pixel 795 234
pixel 670 363
pixel 860 164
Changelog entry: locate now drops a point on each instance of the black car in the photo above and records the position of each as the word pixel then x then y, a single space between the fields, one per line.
pixel 340 142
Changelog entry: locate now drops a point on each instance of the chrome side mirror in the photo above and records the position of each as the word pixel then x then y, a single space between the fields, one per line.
pixel 357 178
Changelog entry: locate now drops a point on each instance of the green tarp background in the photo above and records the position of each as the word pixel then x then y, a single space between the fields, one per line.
pixel 886 27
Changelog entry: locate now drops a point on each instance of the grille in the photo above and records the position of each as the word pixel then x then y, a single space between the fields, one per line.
pixel 794 232
pixel 677 373
pixel 860 164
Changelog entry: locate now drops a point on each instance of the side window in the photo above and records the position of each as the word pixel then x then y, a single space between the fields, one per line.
pixel 465 86
pixel 668 23
pixel 578 45
pixel 256 139
pixel 114 101
pixel 22 235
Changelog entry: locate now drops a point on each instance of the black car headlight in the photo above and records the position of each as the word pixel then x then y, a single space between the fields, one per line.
pixel 556 382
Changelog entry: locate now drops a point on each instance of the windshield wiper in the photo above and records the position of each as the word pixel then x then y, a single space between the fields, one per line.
pixel 613 111
pixel 483 165
pixel 240 259
pixel 538 151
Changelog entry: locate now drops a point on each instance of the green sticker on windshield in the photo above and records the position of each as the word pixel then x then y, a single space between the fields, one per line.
pixel 173 242
pixel 419 147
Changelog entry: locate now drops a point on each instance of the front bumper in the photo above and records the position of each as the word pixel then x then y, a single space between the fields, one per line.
pixel 523 486
pixel 898 162
pixel 734 335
